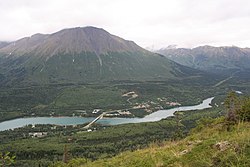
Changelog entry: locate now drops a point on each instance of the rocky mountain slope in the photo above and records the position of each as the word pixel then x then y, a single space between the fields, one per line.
pixel 213 59
pixel 67 41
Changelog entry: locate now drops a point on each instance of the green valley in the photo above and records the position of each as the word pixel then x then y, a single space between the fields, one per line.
pixel 86 72
pixel 103 142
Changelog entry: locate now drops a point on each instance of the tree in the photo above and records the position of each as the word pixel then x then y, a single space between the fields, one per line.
pixel 178 134
pixel 232 104
pixel 203 123
pixel 237 109
pixel 65 154
pixel 244 113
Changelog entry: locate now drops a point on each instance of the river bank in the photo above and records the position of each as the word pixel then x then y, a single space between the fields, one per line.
pixel 156 116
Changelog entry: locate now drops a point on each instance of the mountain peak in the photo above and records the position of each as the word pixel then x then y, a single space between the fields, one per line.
pixel 71 41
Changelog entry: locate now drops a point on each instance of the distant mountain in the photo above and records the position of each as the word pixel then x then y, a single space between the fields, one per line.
pixel 3 44
pixel 86 54
pixel 212 59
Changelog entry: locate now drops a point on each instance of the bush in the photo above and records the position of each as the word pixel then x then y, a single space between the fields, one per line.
pixel 244 113
pixel 238 109
pixel 6 159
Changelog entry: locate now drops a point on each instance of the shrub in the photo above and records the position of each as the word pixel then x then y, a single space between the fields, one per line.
pixel 6 159
pixel 244 113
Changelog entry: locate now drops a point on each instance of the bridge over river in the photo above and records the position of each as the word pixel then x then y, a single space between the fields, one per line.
pixel 104 113
pixel 96 119
pixel 155 116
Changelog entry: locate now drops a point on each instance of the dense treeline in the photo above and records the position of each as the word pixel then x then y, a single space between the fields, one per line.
pixel 67 99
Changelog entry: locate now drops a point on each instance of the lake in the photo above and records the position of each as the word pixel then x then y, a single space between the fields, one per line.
pixel 155 116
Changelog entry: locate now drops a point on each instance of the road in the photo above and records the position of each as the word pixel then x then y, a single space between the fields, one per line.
pixel 225 80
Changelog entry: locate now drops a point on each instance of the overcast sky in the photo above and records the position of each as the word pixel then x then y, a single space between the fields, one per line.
pixel 150 23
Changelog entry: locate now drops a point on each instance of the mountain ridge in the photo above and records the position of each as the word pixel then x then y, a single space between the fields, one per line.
pixel 86 55
pixel 86 39
pixel 3 44
pixel 209 58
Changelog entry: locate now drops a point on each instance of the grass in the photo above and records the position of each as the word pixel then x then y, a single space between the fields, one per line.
pixel 198 149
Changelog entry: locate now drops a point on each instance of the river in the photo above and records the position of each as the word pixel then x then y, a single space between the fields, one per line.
pixel 155 116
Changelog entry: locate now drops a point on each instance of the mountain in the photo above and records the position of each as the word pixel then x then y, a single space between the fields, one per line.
pixel 3 44
pixel 86 55
pixel 212 59
pixel 71 41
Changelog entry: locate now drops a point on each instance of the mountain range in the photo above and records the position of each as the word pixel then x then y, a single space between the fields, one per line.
pixel 85 55
pixel 224 60
pixel 3 44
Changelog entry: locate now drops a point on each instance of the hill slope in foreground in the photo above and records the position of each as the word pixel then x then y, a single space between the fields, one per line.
pixel 210 146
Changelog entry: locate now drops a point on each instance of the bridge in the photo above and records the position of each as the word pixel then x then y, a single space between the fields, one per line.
pixel 96 119
pixel 101 116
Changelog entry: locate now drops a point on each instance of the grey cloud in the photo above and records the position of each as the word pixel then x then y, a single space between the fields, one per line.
pixel 187 23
